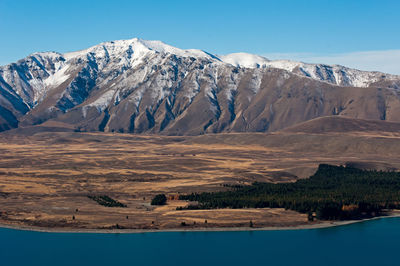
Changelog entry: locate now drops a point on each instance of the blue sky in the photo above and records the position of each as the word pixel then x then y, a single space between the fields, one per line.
pixel 360 33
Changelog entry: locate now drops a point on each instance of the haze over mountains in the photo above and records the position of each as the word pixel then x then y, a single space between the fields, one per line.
pixel 140 86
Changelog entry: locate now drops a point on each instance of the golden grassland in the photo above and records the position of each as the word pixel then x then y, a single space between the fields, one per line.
pixel 45 178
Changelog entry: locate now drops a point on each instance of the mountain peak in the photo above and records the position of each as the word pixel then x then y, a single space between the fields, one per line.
pixel 139 46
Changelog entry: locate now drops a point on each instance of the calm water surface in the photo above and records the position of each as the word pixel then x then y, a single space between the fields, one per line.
pixel 369 243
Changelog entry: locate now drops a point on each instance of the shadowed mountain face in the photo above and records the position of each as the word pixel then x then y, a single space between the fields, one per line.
pixel 142 86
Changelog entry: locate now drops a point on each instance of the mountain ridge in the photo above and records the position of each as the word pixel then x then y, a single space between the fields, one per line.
pixel 148 86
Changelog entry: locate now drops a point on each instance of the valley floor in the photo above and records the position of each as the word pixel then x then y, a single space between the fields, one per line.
pixel 45 179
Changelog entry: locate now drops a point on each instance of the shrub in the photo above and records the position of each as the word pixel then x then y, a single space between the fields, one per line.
pixel 159 199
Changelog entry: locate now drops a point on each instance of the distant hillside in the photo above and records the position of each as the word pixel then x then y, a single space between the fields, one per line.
pixel 343 124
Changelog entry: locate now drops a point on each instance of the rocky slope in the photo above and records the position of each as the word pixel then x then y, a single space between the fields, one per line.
pixel 143 86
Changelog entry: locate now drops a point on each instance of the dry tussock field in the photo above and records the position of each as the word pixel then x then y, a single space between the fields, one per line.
pixel 46 178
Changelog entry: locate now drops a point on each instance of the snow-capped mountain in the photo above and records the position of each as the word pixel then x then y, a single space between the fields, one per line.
pixel 334 74
pixel 148 86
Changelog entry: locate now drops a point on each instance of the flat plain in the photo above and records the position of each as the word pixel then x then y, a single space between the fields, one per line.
pixel 46 178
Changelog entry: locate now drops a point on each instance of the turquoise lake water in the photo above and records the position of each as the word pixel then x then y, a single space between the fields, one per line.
pixel 374 242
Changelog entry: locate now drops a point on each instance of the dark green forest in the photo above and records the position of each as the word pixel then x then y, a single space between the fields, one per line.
pixel 332 193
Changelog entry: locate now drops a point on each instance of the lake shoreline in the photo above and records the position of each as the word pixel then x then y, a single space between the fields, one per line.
pixel 319 225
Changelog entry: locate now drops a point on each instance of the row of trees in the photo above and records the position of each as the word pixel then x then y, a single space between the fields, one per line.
pixel 333 192
pixel 107 201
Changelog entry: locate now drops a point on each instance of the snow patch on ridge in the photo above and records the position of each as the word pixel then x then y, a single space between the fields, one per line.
pixel 244 60
pixel 165 48
pixel 58 78
pixel 100 103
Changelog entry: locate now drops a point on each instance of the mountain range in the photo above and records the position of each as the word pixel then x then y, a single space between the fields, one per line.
pixel 140 86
